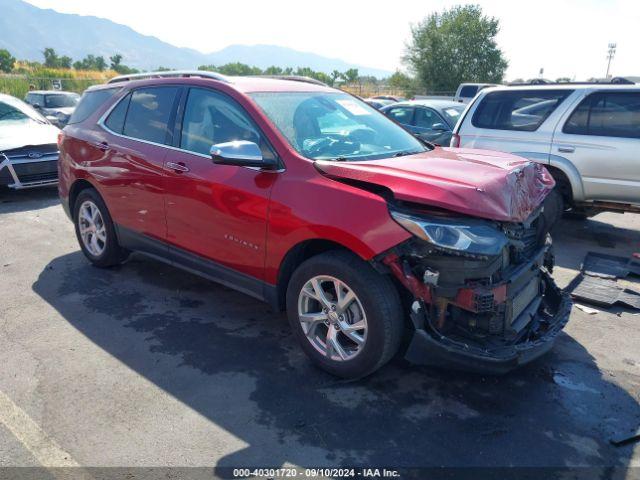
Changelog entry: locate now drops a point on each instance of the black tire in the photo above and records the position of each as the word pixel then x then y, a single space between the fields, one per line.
pixel 113 253
pixel 379 299
pixel 554 207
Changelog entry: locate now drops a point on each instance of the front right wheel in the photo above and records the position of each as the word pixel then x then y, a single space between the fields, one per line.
pixel 347 317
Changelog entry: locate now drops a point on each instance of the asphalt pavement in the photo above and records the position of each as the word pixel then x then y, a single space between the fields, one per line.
pixel 145 365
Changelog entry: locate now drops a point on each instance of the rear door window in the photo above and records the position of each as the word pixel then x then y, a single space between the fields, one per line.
pixel 523 110
pixel 426 118
pixel 607 114
pixel 149 113
pixel 90 102
pixel 402 115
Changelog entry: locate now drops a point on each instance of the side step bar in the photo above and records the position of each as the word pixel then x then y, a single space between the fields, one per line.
pixel 42 183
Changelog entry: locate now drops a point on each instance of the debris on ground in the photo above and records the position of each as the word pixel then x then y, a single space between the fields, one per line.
pixel 597 282
pixel 604 292
pixel 585 309
pixel 609 266
pixel 626 439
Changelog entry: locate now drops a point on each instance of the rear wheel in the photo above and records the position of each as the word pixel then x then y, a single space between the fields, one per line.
pixel 346 316
pixel 95 230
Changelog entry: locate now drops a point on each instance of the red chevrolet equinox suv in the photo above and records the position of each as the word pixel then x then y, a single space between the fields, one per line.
pixel 305 197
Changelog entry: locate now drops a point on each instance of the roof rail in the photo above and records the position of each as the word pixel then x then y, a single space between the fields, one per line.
pixel 600 81
pixel 295 78
pixel 169 74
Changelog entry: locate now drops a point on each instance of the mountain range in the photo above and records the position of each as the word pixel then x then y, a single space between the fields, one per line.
pixel 26 30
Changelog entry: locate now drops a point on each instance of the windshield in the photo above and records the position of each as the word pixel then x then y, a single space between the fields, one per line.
pixel 13 112
pixel 452 114
pixel 61 100
pixel 323 126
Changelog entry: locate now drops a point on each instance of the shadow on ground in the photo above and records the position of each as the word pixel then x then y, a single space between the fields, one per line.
pixel 15 201
pixel 234 361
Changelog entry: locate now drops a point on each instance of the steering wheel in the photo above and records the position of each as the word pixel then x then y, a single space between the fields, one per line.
pixel 335 145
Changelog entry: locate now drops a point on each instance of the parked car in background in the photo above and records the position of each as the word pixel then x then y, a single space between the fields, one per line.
pixel 378 103
pixel 308 198
pixel 391 98
pixel 55 105
pixel 466 91
pixel 588 137
pixel 430 120
pixel 28 146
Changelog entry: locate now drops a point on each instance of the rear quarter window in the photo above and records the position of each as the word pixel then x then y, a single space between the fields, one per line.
pixel 91 100
pixel 468 91
pixel 607 114
pixel 523 110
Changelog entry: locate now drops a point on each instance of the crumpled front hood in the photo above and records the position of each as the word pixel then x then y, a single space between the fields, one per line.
pixel 480 183
pixel 20 134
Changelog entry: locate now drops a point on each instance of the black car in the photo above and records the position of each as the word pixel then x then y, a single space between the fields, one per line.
pixel 430 120
pixel 57 106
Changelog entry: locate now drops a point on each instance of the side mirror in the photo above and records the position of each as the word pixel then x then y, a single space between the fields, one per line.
pixel 36 106
pixel 440 127
pixel 240 153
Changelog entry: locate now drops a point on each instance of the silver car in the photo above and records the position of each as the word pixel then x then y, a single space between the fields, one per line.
pixel 588 136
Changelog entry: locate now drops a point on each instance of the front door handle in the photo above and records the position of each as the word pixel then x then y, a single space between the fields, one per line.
pixel 104 146
pixel 177 167
pixel 567 149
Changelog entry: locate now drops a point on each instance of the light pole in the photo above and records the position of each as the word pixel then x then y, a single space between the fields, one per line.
pixel 610 54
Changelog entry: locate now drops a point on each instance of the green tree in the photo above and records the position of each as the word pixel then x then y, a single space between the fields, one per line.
pixel 351 75
pixel 64 62
pixel 273 70
pixel 100 63
pixel 402 81
pixel 6 61
pixel 239 69
pixel 455 46
pixel 335 75
pixel 91 62
pixel 50 58
pixel 116 61
pixel 117 66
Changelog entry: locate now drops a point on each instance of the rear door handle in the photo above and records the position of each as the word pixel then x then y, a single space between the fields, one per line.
pixel 567 149
pixel 104 146
pixel 177 167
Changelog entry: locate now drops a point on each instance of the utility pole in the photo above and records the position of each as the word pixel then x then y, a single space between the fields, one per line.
pixel 610 54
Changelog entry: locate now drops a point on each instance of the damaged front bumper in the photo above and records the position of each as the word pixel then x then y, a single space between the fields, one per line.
pixel 428 347
pixel 488 327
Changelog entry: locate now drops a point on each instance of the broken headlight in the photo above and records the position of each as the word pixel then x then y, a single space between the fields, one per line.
pixel 469 236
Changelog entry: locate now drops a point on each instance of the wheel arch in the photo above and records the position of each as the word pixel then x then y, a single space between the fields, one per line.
pixel 78 186
pixel 299 253
pixel 565 171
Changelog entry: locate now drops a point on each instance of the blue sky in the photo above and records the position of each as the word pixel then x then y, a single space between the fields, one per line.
pixel 565 37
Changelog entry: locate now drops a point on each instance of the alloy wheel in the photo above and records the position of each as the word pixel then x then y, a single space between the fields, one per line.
pixel 92 228
pixel 332 318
